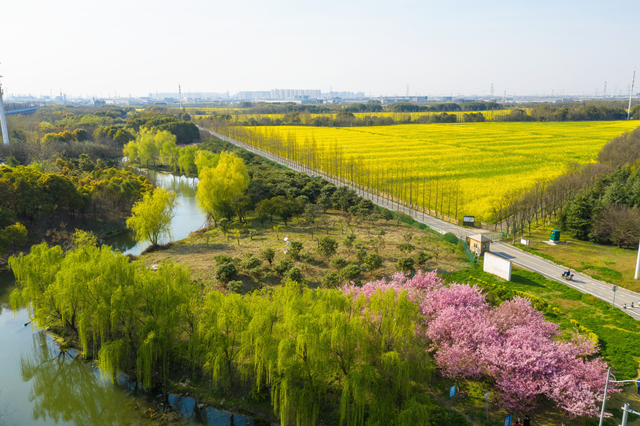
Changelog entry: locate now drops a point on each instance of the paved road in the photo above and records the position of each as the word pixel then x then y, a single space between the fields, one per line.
pixel 550 270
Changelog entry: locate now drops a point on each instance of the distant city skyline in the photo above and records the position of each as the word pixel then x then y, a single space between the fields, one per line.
pixel 374 47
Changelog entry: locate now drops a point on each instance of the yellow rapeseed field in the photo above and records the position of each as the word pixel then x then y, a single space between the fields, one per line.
pixel 474 162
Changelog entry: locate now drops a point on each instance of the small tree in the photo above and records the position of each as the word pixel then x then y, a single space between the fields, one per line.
pixel 295 247
pixel 331 280
pixel 225 224
pixel 151 217
pixel 12 237
pixel 327 247
pixel 268 254
pixel 293 274
pixel 406 248
pixel 349 240
pixel 423 257
pixel 372 261
pixel 234 286
pixel 351 272
pixel 283 266
pixel 226 272
pixel 339 262
pixel 405 265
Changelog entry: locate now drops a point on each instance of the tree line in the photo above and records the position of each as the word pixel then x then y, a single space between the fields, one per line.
pixel 395 182
pixel 597 202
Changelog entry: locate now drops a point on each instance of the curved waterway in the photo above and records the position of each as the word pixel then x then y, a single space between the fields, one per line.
pixel 42 385
pixel 187 216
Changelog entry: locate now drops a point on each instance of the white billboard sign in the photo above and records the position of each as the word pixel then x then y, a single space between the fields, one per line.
pixel 497 265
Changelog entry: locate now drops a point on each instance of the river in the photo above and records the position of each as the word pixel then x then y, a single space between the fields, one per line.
pixel 42 385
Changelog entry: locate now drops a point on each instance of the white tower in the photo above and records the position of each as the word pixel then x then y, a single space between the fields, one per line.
pixel 3 119
pixel 633 80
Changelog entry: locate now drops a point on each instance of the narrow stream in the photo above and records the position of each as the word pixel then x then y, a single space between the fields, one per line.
pixel 42 385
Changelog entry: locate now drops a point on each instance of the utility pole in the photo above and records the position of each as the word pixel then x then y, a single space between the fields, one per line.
pixel 604 92
pixel 407 90
pixel 180 96
pixel 492 90
pixel 633 80
pixel 3 118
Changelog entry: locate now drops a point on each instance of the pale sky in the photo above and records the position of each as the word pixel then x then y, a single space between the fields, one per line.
pixel 86 47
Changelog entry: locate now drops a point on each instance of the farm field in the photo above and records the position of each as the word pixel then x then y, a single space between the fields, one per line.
pixel 453 169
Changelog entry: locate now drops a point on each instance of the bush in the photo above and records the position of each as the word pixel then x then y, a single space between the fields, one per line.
pixel 450 238
pixel 372 261
pixel 406 265
pixel 406 247
pixel 423 257
pixel 327 247
pixel 350 272
pixel 331 280
pixel 349 240
pixel 295 247
pixel 223 258
pixel 251 262
pixel 226 271
pixel 234 286
pixel 294 274
pixel 283 266
pixel 339 262
pixel 361 254
pixel 268 254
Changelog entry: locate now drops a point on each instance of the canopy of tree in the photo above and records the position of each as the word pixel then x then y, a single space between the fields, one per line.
pixel 185 132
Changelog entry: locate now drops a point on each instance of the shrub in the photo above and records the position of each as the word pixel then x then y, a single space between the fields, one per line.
pixel 406 247
pixel 331 280
pixel 223 258
pixel 450 238
pixel 339 262
pixel 293 274
pixel 268 254
pixel 406 265
pixel 349 240
pixel 372 261
pixel 283 266
pixel 423 257
pixel 327 247
pixel 234 286
pixel 350 272
pixel 295 247
pixel 251 262
pixel 361 254
pixel 226 271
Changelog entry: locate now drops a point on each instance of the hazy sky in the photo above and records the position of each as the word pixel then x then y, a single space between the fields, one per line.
pixel 436 47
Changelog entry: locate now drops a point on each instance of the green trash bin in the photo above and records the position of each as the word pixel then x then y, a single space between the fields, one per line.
pixel 555 235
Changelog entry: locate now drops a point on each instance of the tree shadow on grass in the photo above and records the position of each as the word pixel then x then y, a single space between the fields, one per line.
pixel 519 279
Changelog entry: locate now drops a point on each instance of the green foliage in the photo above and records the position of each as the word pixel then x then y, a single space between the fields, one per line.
pixel 12 237
pixel 372 261
pixel 151 217
pixel 268 254
pixel 219 186
pixel 406 248
pixel 234 286
pixel 450 238
pixel 338 262
pixel 406 265
pixel 283 266
pixel 293 274
pixel 294 249
pixel 303 345
pixel 423 257
pixel 251 262
pixel 331 280
pixel 350 272
pixel 226 272
pixel 349 239
pixel 327 247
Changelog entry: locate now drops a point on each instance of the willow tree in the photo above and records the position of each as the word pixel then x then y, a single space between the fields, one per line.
pixel 151 217
pixel 219 186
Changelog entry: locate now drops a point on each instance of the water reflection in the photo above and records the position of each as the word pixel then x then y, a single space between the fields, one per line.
pixel 63 387
pixel 187 216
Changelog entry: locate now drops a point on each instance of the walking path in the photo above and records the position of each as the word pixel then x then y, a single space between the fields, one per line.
pixel 550 270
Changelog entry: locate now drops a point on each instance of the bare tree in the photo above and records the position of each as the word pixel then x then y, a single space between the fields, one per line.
pixel 619 225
